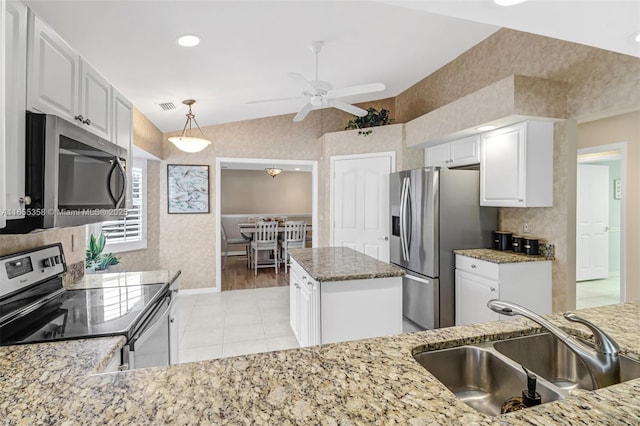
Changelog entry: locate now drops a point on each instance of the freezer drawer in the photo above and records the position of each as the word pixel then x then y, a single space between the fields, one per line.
pixel 420 300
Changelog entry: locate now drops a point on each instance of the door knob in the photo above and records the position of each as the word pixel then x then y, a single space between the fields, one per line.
pixel 606 229
pixel 385 238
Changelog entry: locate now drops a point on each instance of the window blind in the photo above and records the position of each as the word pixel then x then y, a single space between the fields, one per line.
pixel 129 228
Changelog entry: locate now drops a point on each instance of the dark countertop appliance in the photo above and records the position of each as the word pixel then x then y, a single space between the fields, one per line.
pixel 34 307
pixel 433 212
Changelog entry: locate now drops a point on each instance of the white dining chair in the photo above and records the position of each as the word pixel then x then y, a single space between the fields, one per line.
pixel 265 238
pixel 229 241
pixel 294 236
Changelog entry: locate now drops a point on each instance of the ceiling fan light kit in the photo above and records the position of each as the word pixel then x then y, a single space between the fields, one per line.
pixel 186 142
pixel 320 94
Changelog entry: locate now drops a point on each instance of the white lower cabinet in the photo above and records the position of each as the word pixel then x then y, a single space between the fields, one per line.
pixel 478 281
pixel 338 311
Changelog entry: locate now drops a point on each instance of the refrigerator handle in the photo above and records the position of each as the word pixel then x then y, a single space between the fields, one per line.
pixel 409 225
pixel 402 193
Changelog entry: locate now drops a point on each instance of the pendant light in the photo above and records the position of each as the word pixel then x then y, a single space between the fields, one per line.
pixel 273 171
pixel 186 142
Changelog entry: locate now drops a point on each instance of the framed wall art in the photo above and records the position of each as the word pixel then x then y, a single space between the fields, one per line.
pixel 187 188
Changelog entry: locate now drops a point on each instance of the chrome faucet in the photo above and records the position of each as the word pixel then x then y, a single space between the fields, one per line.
pixel 603 362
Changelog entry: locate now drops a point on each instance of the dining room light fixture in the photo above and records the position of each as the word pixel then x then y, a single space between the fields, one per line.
pixel 186 141
pixel 273 171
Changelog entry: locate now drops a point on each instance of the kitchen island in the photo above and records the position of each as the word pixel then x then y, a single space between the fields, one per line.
pixel 374 381
pixel 338 294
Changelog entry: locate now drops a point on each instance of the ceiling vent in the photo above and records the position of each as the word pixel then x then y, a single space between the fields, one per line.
pixel 166 106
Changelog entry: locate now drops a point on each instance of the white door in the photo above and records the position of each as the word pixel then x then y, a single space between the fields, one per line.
pixel 361 204
pixel 592 221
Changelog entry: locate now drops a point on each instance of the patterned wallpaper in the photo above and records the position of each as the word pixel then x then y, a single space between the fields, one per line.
pixel 146 135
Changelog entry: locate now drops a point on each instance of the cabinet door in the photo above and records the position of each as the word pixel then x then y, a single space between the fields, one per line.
pixel 502 175
pixel 15 105
pixel 465 151
pixel 437 155
pixel 95 101
pixel 306 312
pixel 122 121
pixel 2 114
pixel 52 72
pixel 472 295
pixel 294 302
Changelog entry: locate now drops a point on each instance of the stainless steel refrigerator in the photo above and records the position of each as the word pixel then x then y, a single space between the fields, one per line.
pixel 433 212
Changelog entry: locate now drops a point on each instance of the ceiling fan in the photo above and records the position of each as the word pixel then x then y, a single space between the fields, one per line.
pixel 320 94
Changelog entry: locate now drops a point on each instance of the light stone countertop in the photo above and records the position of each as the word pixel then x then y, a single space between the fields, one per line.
pixel 342 264
pixel 497 256
pixel 122 279
pixel 373 381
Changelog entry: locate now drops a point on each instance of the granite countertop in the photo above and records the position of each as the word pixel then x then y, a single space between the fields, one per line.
pixel 122 279
pixel 342 264
pixel 372 381
pixel 497 256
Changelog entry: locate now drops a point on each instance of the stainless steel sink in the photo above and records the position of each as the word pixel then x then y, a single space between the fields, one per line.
pixel 548 357
pixel 481 377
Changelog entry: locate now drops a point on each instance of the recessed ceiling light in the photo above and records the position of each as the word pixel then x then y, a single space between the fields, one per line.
pixel 485 128
pixel 508 2
pixel 297 169
pixel 188 40
pixel 638 38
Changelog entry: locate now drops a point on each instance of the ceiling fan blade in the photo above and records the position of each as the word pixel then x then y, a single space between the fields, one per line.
pixel 275 100
pixel 351 109
pixel 303 82
pixel 306 109
pixel 356 90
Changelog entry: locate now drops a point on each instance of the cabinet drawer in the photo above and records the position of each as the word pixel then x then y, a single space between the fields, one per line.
pixel 479 267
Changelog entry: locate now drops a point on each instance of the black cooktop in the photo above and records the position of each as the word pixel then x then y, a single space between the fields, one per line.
pixel 75 314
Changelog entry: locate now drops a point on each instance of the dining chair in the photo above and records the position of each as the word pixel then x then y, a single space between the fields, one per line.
pixel 265 238
pixel 229 241
pixel 294 236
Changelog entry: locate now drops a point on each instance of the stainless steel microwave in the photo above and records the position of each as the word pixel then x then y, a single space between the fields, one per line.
pixel 73 177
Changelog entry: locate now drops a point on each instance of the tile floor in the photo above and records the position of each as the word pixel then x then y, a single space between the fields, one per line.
pixel 238 322
pixel 590 294
pixel 230 323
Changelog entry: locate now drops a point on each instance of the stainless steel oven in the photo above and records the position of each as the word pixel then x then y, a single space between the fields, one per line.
pixel 34 307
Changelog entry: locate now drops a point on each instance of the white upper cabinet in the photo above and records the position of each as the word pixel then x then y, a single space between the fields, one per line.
pixel 461 152
pixel 95 101
pixel 15 44
pixel 517 166
pixel 62 83
pixel 122 132
pixel 53 69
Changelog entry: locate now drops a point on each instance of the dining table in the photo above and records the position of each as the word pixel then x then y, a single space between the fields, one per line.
pixel 248 229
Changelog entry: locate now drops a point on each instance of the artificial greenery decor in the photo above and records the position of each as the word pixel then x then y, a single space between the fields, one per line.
pixel 95 260
pixel 373 118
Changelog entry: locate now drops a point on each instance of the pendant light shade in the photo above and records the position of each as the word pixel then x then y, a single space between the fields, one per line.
pixel 273 171
pixel 186 142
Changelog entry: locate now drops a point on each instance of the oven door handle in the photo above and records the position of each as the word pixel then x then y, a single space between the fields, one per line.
pixel 150 328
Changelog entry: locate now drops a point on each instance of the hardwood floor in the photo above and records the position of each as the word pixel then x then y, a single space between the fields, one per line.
pixel 236 276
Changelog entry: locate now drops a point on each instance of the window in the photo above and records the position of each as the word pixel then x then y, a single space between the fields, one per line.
pixel 130 233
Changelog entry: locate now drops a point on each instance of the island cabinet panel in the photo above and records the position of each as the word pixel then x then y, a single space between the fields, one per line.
pixel 359 309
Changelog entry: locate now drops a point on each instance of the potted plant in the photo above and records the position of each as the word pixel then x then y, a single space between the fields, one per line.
pixel 373 118
pixel 95 259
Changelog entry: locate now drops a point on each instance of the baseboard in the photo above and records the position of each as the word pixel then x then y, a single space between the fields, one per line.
pixel 195 291
pixel 235 253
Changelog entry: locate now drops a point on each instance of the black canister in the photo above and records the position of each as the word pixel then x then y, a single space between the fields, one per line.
pixel 502 240
pixel 531 246
pixel 517 243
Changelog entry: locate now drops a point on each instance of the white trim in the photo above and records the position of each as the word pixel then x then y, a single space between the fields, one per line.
pixel 234 253
pixel 196 291
pixel 268 162
pixel 332 160
pixel 622 147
